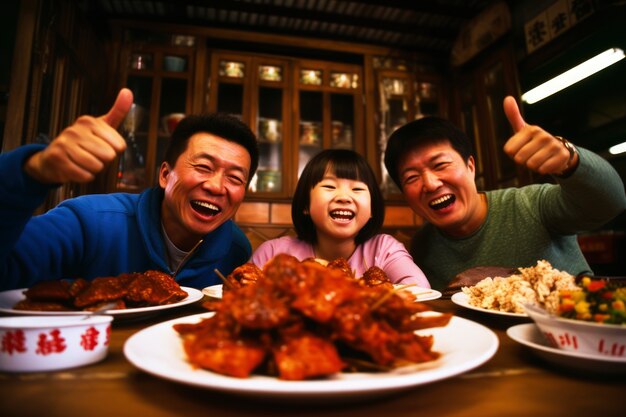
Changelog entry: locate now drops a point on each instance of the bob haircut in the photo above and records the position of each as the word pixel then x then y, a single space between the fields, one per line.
pixel 219 124
pixel 425 131
pixel 343 163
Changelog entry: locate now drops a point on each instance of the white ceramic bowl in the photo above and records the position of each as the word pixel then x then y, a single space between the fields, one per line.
pixel 174 63
pixel 596 339
pixel 48 343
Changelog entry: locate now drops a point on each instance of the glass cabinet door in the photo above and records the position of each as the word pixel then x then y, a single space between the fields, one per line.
pixel 270 129
pixel 403 96
pixel 270 77
pixel 296 108
pixel 131 173
pixel 327 97
pixel 230 88
pixel 427 98
pixel 160 81
pixel 254 90
pixel 310 126
pixel 172 105
pixel 396 109
pixel 341 120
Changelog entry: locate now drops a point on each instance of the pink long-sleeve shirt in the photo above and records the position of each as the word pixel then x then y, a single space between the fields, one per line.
pixel 383 251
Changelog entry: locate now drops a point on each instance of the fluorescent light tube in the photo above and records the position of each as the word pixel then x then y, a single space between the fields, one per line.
pixel 571 76
pixel 619 148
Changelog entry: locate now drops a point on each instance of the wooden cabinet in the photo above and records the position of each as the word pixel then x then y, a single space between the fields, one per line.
pixel 296 107
pixel 160 77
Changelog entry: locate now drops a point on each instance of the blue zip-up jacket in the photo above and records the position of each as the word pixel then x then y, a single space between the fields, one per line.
pixel 96 235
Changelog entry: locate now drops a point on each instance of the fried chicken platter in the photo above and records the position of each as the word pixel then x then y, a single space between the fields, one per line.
pixel 125 291
pixel 304 320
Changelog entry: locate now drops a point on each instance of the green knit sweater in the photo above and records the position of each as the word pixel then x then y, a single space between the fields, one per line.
pixel 526 224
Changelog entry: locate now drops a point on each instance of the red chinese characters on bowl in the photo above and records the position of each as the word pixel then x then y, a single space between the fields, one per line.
pixel 589 338
pixel 48 343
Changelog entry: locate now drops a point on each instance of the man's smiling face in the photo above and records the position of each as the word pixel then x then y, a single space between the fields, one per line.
pixel 439 186
pixel 204 189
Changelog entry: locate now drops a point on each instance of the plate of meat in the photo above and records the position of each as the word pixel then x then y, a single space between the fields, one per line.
pixel 250 274
pixel 420 293
pixel 463 345
pixel 127 295
pixel 306 331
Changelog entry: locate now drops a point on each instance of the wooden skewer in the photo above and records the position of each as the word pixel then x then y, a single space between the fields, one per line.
pixel 404 286
pixel 223 278
pixel 393 291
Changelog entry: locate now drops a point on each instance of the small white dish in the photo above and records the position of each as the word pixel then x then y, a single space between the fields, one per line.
pixel 214 291
pixel 461 299
pixel 9 298
pixel 529 335
pixel 37 344
pixel 420 293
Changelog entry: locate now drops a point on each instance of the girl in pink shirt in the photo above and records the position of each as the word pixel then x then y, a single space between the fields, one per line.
pixel 337 212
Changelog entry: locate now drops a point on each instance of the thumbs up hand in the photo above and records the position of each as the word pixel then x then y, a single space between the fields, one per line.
pixel 535 148
pixel 83 149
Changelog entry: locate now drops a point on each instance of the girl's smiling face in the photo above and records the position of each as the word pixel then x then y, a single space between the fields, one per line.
pixel 339 207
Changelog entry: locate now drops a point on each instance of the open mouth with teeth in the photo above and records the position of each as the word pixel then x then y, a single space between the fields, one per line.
pixel 204 208
pixel 442 202
pixel 344 215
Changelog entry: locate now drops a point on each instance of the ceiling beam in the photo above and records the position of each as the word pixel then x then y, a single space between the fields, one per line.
pixel 175 9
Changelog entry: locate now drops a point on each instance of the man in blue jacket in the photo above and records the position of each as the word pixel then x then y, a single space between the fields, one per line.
pixel 183 225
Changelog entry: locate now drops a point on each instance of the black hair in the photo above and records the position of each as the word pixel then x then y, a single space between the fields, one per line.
pixel 427 130
pixel 223 125
pixel 346 164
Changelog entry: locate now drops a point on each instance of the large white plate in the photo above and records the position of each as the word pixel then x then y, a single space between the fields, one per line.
pixel 529 335
pixel 9 298
pixel 463 345
pixel 420 293
pixel 461 299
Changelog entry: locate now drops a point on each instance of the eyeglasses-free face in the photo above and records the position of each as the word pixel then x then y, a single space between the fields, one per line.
pixel 439 186
pixel 204 189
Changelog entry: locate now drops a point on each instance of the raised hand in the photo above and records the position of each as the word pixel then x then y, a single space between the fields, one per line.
pixel 535 148
pixel 83 149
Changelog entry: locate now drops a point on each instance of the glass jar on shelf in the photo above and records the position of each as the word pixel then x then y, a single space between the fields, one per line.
pixel 131 172
pixel 141 61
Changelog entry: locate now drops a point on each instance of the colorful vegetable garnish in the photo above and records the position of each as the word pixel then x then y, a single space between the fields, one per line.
pixel 597 300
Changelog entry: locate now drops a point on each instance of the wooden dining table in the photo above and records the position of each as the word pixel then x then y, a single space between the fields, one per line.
pixel 515 381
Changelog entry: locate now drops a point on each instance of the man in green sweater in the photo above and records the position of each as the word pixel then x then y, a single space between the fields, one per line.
pixel 432 162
